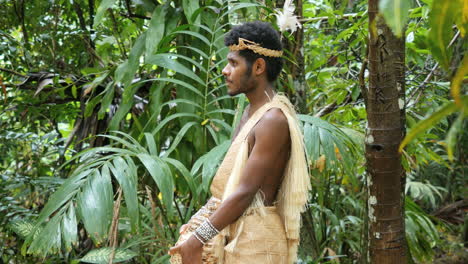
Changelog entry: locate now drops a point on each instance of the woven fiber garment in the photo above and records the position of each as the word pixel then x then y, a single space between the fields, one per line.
pixel 262 239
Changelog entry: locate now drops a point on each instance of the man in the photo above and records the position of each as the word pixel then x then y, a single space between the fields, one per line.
pixel 261 187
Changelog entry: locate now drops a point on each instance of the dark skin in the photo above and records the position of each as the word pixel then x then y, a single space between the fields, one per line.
pixel 268 152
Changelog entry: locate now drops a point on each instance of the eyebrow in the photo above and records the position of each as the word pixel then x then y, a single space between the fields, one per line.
pixel 231 58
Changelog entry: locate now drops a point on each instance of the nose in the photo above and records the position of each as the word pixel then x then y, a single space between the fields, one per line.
pixel 226 71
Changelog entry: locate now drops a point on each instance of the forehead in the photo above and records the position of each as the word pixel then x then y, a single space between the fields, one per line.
pixel 234 55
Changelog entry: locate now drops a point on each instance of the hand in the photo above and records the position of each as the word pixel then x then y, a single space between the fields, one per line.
pixel 183 228
pixel 190 251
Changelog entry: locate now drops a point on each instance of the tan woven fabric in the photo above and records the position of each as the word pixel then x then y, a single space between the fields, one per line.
pixel 262 240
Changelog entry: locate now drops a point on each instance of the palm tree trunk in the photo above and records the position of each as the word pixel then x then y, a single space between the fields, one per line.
pixel 386 126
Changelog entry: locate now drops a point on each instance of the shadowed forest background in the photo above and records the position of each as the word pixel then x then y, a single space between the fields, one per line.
pixel 114 116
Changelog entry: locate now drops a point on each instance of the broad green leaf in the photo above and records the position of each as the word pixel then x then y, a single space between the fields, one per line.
pixel 69 188
pixel 167 61
pixel 161 175
pixel 135 148
pixel 462 19
pixel 125 171
pixel 183 101
pixel 96 82
pixel 226 126
pixel 153 150
pixel 184 171
pixel 125 72
pixel 395 13
pixel 105 4
pixel 192 61
pixel 238 6
pixel 106 100
pixel 429 122
pixel 197 50
pixel 49 239
pixel 171 117
pixel 179 137
pixel 181 83
pixel 125 105
pixel 225 111
pixel 22 227
pixel 102 255
pixel 441 20
pixel 69 228
pixel 194 34
pixel 155 30
pixel 239 112
pixel 95 204
pixel 189 7
pixel 452 134
pixel 213 158
pixel 457 80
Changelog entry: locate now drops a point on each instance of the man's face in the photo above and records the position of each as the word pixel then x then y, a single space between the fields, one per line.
pixel 238 74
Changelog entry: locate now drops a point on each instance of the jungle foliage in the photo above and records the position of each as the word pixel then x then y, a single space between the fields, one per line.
pixel 114 117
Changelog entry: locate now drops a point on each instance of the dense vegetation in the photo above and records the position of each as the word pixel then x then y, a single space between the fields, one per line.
pixel 114 117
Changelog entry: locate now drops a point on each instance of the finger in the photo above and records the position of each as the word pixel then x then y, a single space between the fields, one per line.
pixel 183 228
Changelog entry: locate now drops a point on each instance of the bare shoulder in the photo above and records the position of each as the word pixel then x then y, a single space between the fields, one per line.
pixel 274 123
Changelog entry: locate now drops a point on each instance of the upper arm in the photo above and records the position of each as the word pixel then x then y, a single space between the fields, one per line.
pixel 271 136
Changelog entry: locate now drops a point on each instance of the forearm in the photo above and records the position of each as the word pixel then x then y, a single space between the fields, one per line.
pixel 232 208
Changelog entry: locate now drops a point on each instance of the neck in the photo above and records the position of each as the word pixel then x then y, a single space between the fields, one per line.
pixel 260 96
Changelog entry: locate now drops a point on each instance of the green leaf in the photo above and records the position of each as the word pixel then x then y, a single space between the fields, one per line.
pixel 22 227
pixel 161 175
pixel 395 13
pixel 441 20
pixel 179 137
pixel 125 72
pixel 171 117
pixel 102 255
pixel 153 150
pixel 429 122
pixel 105 4
pixel 49 239
pixel 184 171
pixel 69 229
pixel 189 7
pixel 125 171
pixel 95 204
pixel 125 105
pixel 68 189
pixel 155 30
pixel 452 134
pixel 181 83
pixel 211 162
pixel 106 100
pixel 167 61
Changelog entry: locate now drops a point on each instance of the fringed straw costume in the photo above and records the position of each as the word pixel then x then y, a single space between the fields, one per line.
pixel 262 234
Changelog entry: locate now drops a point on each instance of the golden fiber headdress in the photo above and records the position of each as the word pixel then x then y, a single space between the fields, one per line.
pixel 255 47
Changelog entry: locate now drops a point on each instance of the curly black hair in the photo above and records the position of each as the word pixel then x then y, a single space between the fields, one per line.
pixel 265 35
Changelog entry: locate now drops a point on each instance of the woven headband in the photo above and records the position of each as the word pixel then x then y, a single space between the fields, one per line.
pixel 255 47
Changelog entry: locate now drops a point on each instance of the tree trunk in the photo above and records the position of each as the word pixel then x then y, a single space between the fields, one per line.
pixel 386 126
pixel 296 67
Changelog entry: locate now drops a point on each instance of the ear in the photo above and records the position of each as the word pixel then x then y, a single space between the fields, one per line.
pixel 259 66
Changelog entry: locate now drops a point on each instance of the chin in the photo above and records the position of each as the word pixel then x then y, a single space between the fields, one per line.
pixel 234 93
